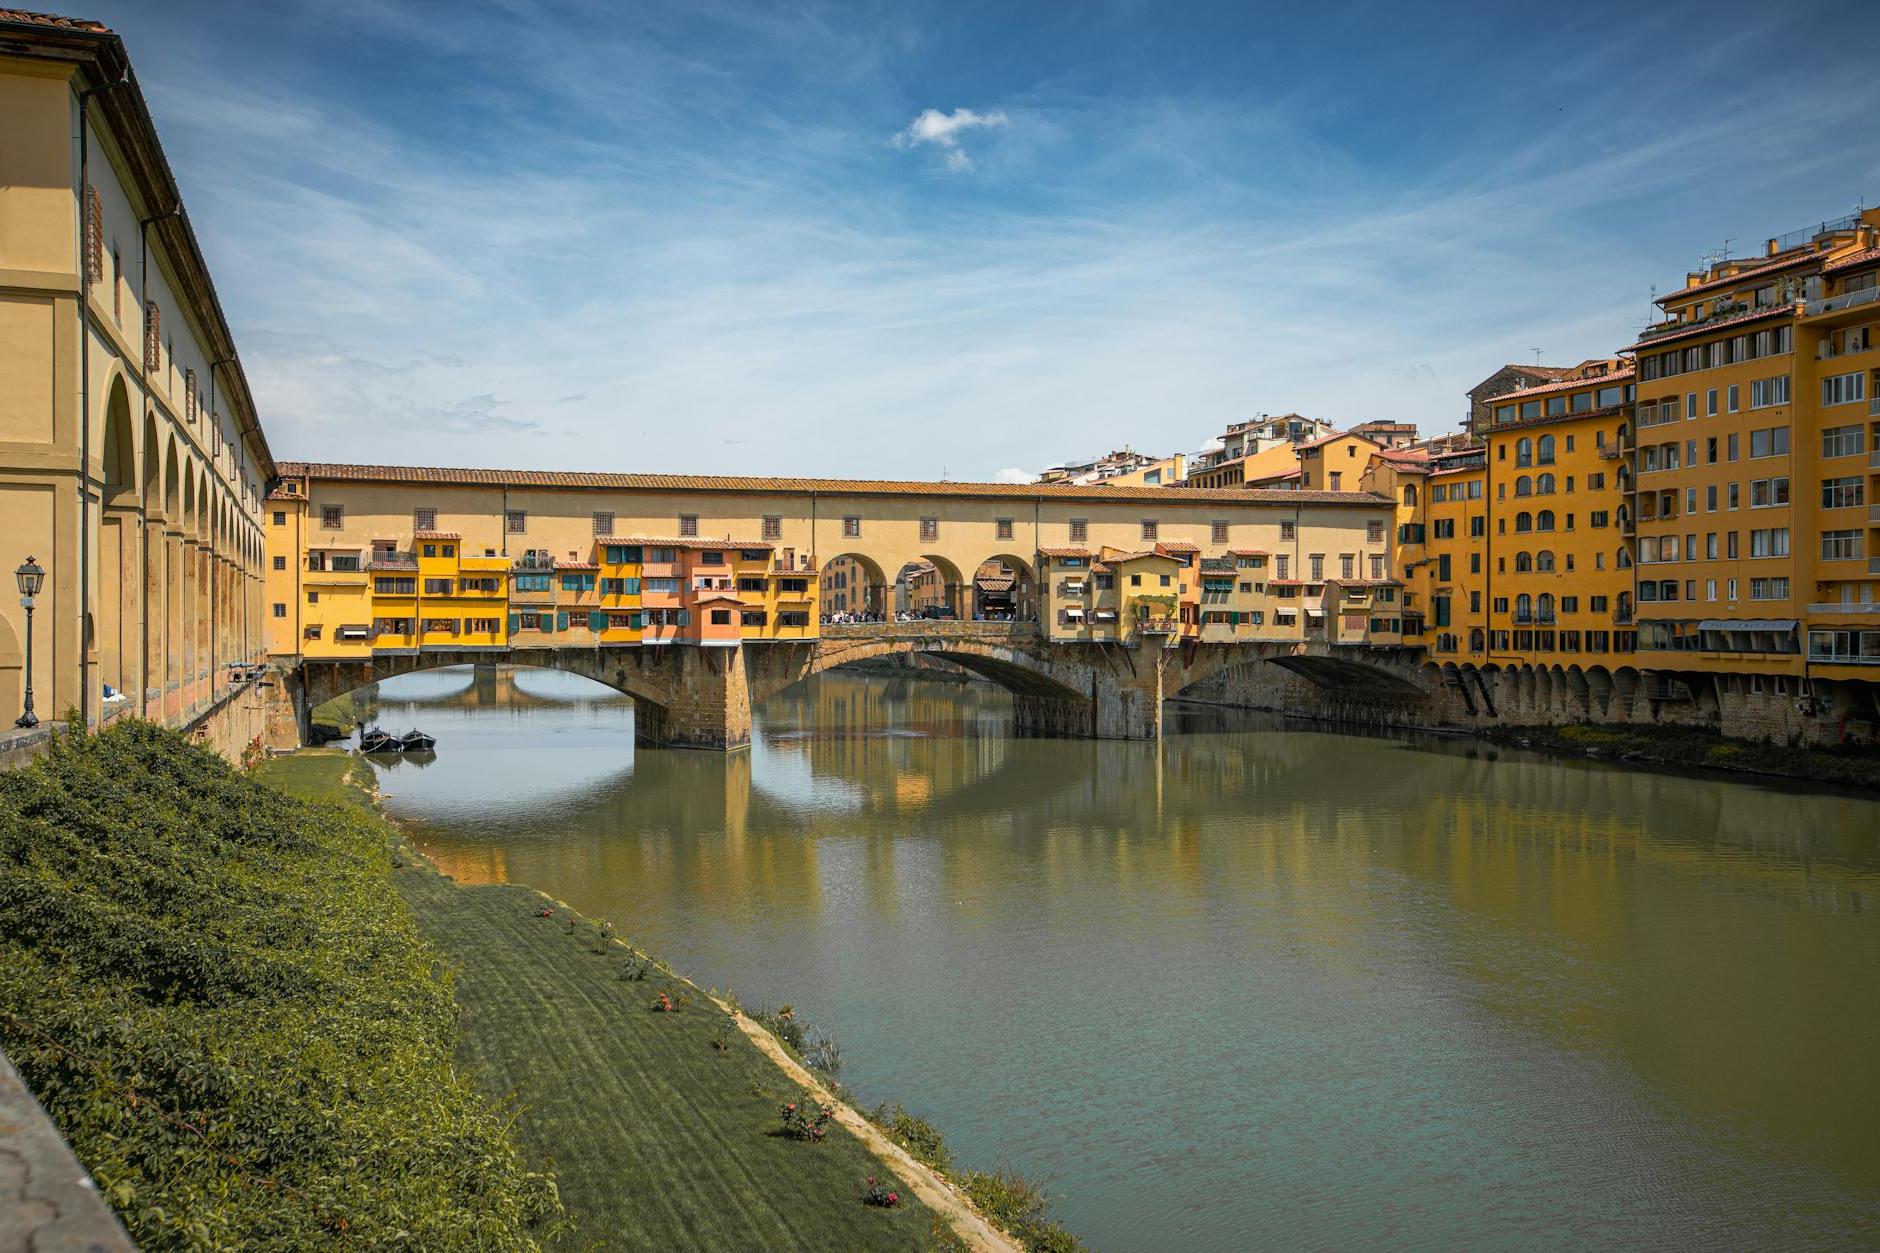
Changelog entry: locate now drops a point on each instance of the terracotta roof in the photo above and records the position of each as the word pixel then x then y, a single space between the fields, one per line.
pixel 1178 546
pixel 716 593
pixel 1566 385
pixel 693 543
pixel 279 492
pixel 1864 257
pixel 577 565
pixel 1740 277
pixel 1326 439
pixel 999 584
pixel 29 18
pixel 1446 471
pixel 1097 567
pixel 1713 324
pixel 422 535
pixel 573 479
pixel 1366 582
pixel 1063 552
pixel 1248 552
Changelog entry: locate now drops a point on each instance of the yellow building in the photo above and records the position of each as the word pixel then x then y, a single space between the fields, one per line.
pixel 1448 580
pixel 1559 579
pixel 132 463
pixel 1756 476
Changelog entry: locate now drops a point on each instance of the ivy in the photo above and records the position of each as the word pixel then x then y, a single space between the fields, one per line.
pixel 221 1000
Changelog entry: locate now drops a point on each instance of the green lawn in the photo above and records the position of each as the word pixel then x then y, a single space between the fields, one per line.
pixel 316 774
pixel 657 1139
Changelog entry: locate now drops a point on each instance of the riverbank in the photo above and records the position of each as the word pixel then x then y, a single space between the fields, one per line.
pixel 662 1125
pixel 1687 748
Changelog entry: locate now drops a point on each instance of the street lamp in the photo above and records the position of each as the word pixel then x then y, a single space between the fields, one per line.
pixel 29 577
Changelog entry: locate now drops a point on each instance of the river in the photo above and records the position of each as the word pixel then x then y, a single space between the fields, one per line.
pixel 1264 985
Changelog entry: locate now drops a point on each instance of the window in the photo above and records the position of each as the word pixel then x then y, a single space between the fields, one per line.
pixel 1524 450
pixel 515 521
pixel 1002 528
pixel 1149 528
pixel 1840 545
pixel 1338 481
pixel 688 526
pixel 1771 441
pixel 603 522
pixel 1544 520
pixel 1524 486
pixel 1544 451
pixel 1218 531
pixel 1318 567
pixel 1377 565
pixel 851 527
pixel 1773 542
pixel 437 587
pixel 1080 530
pixel 773 526
pixel 1844 389
pixel 1347 564
pixel 929 530
pixel 1523 522
pixel 572 582
pixel 1287 531
pixel 1843 493
pixel 1281 562
pixel 280 518
pixel 1841 441
pixel 1767 493
pixel 1771 391
pixel 331 517
pixel 1710 400
pixel 395 586
pixel 424 519
pixel 280 609
pixel 1768 589
pixel 280 563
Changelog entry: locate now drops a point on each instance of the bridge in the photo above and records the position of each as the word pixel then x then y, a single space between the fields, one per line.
pixel 689 696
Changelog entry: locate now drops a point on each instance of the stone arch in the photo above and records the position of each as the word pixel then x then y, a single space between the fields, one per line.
pixel 953 593
pixel 119 556
pixel 1625 685
pixel 838 577
pixel 1580 688
pixel 1599 687
pixel 1019 601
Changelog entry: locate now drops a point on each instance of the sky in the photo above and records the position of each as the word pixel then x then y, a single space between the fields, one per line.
pixel 966 240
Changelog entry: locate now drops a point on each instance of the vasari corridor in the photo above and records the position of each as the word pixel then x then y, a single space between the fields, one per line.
pixel 854 627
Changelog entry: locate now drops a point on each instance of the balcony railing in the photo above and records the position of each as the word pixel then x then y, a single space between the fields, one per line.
pixel 1848 300
pixel 1873 458
pixel 535 562
pixel 1841 606
pixel 1609 452
pixel 1873 405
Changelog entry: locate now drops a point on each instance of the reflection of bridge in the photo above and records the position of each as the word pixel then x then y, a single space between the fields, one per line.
pixel 698 697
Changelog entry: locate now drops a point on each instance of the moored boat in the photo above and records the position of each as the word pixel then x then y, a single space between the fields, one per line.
pixel 416 741
pixel 373 740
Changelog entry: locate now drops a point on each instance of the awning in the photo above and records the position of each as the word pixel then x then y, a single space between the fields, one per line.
pixel 1315 613
pixel 1748 624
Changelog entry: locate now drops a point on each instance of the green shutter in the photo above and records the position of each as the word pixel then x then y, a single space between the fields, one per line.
pixel 515 623
pixel 597 621
pixel 561 620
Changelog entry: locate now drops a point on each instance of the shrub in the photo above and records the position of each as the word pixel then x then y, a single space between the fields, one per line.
pixel 915 1134
pixel 876 1192
pixel 219 997
pixel 1018 1205
pixel 824 1055
pixel 800 1124
pixel 782 1023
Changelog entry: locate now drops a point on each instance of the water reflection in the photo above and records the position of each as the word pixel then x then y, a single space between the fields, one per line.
pixel 1258 984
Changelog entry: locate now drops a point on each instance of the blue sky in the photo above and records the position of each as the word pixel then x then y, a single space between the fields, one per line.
pixel 906 240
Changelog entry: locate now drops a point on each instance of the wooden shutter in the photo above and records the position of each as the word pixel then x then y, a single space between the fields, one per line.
pixel 561 620
pixel 153 338
pixel 597 621
pixel 94 236
pixel 515 623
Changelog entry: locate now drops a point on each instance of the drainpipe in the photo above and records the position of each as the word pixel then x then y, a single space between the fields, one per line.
pixel 84 397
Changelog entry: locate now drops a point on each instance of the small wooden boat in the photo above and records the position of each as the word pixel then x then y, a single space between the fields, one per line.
pixel 415 741
pixel 373 740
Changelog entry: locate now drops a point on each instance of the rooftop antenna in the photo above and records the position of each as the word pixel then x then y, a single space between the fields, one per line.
pixel 1537 355
pixel 1727 241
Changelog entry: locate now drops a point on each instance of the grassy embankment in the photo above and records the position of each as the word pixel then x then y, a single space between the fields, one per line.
pixel 662 1128
pixel 659 1126
pixel 1692 747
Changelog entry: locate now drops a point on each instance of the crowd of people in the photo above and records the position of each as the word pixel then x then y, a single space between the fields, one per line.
pixel 871 617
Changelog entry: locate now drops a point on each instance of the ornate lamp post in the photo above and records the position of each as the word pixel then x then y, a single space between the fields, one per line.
pixel 29 577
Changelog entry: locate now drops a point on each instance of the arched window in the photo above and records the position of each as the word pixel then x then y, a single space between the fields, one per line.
pixel 1625 606
pixel 1544 485
pixel 1544 607
pixel 1524 486
pixel 1544 451
pixel 1475 639
pixel 1544 520
pixel 1524 608
pixel 1523 563
pixel 1625 559
pixel 1409 493
pixel 1544 561
pixel 1524 451
pixel 1523 522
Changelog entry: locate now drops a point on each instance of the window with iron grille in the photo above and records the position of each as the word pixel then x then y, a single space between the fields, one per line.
pixel 1286 530
pixel 331 517
pixel 1080 530
pixel 688 525
pixel 851 527
pixel 603 522
pixel 1374 531
pixel 773 526
pixel 1003 528
pixel 153 338
pixel 1219 531
pixel 424 519
pixel 1149 528
pixel 515 521
pixel 929 530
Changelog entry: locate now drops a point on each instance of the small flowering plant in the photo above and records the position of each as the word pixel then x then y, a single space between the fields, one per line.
pixel 664 1005
pixel 879 1193
pixel 800 1124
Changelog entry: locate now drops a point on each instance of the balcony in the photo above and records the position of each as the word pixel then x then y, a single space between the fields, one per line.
pixel 1842 303
pixel 1843 606
pixel 1609 452
pixel 534 563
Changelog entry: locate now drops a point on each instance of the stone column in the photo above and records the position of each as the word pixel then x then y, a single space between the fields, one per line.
pixel 710 706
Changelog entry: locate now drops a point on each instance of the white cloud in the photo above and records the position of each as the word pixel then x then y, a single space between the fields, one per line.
pixel 943 129
pixel 1012 474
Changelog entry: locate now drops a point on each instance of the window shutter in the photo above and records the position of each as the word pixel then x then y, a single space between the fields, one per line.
pixel 515 623
pixel 153 338
pixel 597 621
pixel 561 620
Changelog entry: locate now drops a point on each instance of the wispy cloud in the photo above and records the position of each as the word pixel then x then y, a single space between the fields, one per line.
pixel 679 241
pixel 944 129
